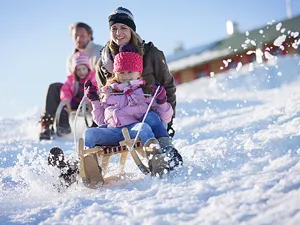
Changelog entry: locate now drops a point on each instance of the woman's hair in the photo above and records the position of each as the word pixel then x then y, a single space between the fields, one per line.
pixel 134 40
pixel 112 80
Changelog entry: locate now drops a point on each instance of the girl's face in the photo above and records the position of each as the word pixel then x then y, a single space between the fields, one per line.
pixel 120 33
pixel 125 76
pixel 81 71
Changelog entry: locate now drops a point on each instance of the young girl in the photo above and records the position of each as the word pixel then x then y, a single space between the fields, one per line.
pixel 72 91
pixel 124 104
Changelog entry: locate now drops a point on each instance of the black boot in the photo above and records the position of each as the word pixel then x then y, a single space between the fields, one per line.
pixel 56 158
pixel 157 163
pixel 68 171
pixel 46 127
pixel 175 159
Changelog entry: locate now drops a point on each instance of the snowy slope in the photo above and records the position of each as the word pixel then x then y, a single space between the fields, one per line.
pixel 238 134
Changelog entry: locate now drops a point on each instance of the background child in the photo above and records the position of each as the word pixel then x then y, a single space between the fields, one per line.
pixel 72 91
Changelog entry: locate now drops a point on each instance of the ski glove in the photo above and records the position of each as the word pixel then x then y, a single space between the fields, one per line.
pixel 92 93
pixel 161 96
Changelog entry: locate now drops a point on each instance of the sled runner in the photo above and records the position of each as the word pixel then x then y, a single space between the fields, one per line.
pixel 84 112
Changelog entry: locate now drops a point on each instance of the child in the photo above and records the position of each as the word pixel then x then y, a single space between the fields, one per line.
pixel 72 91
pixel 124 104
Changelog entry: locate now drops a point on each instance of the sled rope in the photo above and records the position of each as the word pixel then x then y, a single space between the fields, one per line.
pixel 148 109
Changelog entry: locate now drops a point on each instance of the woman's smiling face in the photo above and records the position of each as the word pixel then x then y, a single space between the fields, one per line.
pixel 120 33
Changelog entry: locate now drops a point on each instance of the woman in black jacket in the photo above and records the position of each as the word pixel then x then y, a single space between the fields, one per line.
pixel 123 31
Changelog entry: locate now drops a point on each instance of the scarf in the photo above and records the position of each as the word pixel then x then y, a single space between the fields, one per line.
pixel 126 88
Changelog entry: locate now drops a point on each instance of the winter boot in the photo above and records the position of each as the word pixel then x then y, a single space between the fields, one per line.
pixel 56 158
pixel 157 160
pixel 68 170
pixel 46 127
pixel 174 158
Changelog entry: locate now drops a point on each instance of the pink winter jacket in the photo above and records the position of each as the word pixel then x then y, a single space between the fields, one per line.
pixel 122 110
pixel 68 90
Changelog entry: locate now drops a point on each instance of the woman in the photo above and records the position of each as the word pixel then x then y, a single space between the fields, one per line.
pixel 123 31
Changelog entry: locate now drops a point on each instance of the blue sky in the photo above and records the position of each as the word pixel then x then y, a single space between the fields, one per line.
pixel 36 41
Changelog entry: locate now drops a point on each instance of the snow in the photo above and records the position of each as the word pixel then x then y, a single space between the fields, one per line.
pixel 238 134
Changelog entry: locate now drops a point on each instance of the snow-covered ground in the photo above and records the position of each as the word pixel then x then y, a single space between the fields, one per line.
pixel 238 134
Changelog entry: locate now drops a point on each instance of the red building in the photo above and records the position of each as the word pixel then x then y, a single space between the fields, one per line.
pixel 278 38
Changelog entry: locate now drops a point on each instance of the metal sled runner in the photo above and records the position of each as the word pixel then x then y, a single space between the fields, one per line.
pixel 92 173
pixel 85 112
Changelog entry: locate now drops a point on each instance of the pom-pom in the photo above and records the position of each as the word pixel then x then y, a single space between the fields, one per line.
pixel 127 48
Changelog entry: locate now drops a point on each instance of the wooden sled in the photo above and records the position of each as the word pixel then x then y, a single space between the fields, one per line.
pixel 93 162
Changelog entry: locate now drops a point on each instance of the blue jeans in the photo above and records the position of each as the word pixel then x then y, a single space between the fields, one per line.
pixel 156 124
pixel 111 136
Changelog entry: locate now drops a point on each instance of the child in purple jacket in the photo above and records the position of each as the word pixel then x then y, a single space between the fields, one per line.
pixel 124 103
